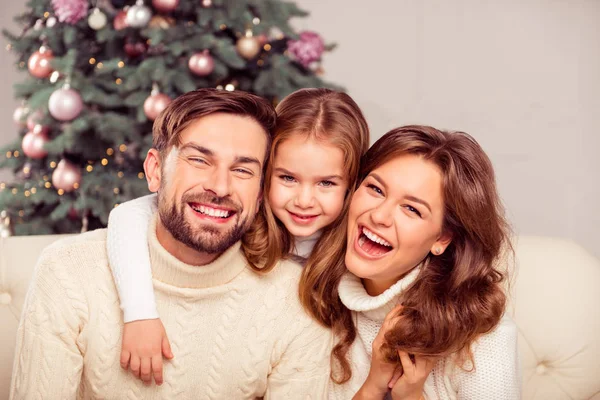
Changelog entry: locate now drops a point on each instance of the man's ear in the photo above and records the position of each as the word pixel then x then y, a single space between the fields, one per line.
pixel 441 244
pixel 152 168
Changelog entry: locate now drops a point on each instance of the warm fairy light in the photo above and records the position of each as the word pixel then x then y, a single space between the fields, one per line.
pixel 229 87
pixel 123 148
pixel 46 14
pixel 76 185
pixel 53 164
pixel 109 151
pixel 119 81
pixel 267 47
pixel 61 192
pixel 121 64
pixel 45 177
pixel 8 154
pixel 14 191
pixel 120 174
pixel 27 193
pixel 9 47
pixel 260 63
pixel 26 169
pixel 256 20
pixel 47 185
pixel 22 64
pixel 141 175
pixel 116 205
pixel 89 168
pixel 104 161
pixel 92 61
pixel 21 213
pixel 116 190
pixel 222 27
pixel 2 185
pixel 100 65
pixel 33 190
pixel 16 154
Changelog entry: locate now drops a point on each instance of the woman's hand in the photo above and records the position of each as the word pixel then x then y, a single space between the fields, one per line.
pixel 376 385
pixel 408 382
pixel 145 343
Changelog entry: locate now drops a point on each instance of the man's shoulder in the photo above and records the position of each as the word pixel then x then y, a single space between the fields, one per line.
pixel 90 244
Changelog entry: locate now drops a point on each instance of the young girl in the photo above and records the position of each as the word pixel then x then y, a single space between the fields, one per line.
pixel 314 162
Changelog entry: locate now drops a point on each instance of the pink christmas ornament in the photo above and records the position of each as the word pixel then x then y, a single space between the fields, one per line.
pixel 70 11
pixel 201 64
pixel 308 48
pixel 65 104
pixel 165 6
pixel 120 21
pixel 155 104
pixel 19 116
pixel 66 176
pixel 39 63
pixel 33 145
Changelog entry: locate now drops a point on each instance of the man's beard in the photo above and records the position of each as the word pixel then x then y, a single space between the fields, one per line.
pixel 209 240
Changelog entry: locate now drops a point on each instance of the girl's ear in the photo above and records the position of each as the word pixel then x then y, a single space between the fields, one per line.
pixel 440 245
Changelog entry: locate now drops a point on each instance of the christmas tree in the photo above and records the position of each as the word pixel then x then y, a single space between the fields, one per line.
pixel 99 73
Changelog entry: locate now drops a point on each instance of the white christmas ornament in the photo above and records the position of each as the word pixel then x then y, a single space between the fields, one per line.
pixel 138 15
pixel 97 19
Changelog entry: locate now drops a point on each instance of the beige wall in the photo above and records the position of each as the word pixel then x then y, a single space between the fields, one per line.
pixel 522 76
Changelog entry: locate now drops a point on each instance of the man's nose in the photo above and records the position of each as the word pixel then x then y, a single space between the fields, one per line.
pixel 219 182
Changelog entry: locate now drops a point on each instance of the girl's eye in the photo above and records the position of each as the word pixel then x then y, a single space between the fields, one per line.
pixel 327 184
pixel 375 189
pixel 287 178
pixel 413 210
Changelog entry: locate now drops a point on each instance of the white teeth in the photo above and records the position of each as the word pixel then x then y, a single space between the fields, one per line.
pixel 213 212
pixel 375 238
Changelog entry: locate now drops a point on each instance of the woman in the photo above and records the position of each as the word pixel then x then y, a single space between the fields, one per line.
pixel 423 240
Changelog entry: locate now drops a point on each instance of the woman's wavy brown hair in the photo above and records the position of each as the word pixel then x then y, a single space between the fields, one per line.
pixel 323 115
pixel 458 295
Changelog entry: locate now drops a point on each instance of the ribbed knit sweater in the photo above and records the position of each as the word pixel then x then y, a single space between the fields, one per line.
pixel 235 334
pixel 497 373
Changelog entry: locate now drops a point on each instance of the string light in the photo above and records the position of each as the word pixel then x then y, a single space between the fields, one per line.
pixel 47 185
pixel 9 47
pixel 21 213
pixel 120 174
pixel 46 14
pixel 53 164
pixel 27 193
pixel 22 64
pixel 92 61
pixel 16 154
pixel 61 192
pixel 89 168
pixel 121 64
pixel 141 175
pixel 229 87
pixel 33 190
pixel 116 190
pixel 222 27
pixel 104 162
pixel 123 148
pixel 109 151
pixel 76 185
pixel 2 186
pixel 119 81
pixel 8 154
pixel 45 177
pixel 15 191
pixel 100 65
pixel 256 20
pixel 116 205
pixel 267 47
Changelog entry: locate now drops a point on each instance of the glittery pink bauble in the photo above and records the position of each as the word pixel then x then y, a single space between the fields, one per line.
pixel 165 5
pixel 65 104
pixel 65 176
pixel 19 116
pixel 39 64
pixel 70 11
pixel 120 22
pixel 201 64
pixel 33 145
pixel 155 104
pixel 308 48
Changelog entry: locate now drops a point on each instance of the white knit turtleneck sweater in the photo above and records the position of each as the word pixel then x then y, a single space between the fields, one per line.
pixel 235 334
pixel 497 373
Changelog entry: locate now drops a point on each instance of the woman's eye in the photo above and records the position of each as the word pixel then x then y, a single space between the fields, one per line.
pixel 413 210
pixel 375 189
pixel 287 178
pixel 327 184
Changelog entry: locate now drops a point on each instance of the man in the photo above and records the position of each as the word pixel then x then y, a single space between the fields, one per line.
pixel 236 334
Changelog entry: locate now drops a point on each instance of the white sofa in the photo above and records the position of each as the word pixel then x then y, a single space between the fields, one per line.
pixel 555 303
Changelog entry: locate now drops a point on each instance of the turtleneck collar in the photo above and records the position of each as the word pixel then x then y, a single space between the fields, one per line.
pixel 303 246
pixel 354 295
pixel 170 270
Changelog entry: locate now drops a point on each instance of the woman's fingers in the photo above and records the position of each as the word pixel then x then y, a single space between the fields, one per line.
pixel 407 364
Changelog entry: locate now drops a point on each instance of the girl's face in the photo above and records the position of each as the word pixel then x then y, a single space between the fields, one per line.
pixel 308 184
pixel 395 220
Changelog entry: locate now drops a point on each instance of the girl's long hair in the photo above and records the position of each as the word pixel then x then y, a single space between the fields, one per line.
pixel 323 115
pixel 458 295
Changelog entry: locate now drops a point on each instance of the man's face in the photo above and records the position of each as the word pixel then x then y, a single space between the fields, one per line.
pixel 210 185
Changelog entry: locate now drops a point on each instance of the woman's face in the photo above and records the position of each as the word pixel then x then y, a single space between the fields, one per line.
pixel 395 220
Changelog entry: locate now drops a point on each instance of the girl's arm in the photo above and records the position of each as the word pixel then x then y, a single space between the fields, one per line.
pixel 129 258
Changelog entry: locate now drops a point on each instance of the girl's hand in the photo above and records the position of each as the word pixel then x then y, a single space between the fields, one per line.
pixel 408 382
pixel 381 371
pixel 144 344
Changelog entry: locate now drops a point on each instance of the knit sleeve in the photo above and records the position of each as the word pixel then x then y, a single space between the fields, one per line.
pixel 497 369
pixel 48 362
pixel 129 257
pixel 303 367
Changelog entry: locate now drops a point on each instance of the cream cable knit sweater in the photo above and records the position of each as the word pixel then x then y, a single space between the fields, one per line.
pixel 497 374
pixel 235 334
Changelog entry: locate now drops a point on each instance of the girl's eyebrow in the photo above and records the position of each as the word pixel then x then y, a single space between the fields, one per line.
pixel 322 178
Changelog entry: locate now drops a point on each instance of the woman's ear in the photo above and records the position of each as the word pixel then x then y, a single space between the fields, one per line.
pixel 440 245
pixel 152 170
